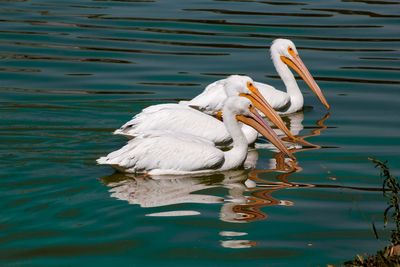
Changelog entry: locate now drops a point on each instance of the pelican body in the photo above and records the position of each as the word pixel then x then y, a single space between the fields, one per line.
pixel 181 119
pixel 185 119
pixel 284 55
pixel 163 152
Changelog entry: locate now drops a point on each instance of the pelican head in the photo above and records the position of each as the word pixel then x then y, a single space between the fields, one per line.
pixel 285 51
pixel 245 112
pixel 238 85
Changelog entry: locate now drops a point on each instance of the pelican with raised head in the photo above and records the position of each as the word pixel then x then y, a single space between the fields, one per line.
pixel 284 55
pixel 164 152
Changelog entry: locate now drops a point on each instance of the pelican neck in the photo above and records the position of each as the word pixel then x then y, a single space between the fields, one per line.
pixel 237 154
pixel 292 88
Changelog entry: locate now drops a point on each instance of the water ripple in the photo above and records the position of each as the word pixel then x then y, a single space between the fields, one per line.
pixel 225 22
pixel 347 80
pixel 372 2
pixel 354 12
pixel 72 71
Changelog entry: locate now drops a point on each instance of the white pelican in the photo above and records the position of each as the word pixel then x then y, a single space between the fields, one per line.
pixel 284 55
pixel 161 152
pixel 185 119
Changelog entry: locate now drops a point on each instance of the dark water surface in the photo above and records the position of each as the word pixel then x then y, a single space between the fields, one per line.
pixel 73 71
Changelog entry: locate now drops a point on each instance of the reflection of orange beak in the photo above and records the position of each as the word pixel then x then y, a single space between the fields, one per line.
pixel 257 122
pixel 261 104
pixel 297 65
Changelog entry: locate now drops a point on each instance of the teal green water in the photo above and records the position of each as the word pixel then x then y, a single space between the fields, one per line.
pixel 73 71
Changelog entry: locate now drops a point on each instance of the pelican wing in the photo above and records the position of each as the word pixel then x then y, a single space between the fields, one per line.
pixel 177 118
pixel 166 151
pixel 211 99
pixel 277 99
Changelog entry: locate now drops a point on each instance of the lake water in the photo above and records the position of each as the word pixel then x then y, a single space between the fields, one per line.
pixel 73 71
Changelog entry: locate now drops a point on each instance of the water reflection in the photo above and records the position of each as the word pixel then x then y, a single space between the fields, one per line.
pixel 247 193
pixel 149 192
pixel 295 124
pixel 242 204
pixel 238 243
pixel 245 200
pixel 315 131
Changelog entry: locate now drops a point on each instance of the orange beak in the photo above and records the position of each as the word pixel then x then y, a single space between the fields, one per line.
pixel 298 66
pixel 257 122
pixel 261 104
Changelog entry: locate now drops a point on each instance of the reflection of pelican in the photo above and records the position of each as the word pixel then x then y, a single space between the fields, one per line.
pixel 157 191
pixel 148 192
pixel 163 153
pixel 248 192
pixel 238 243
pixel 296 125
pixel 251 159
pixel 184 119
pixel 295 122
pixel 284 55
pixel 241 208
pixel 320 127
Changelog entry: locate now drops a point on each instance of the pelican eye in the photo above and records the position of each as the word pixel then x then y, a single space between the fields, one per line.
pixel 291 51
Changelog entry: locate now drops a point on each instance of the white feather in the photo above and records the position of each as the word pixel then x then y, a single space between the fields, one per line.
pixel 276 98
pixel 177 118
pixel 211 99
pixel 182 118
pixel 167 151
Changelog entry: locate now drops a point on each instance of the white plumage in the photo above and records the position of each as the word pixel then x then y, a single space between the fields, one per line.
pixel 166 152
pixel 211 99
pixel 182 118
pixel 177 118
pixel 283 54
